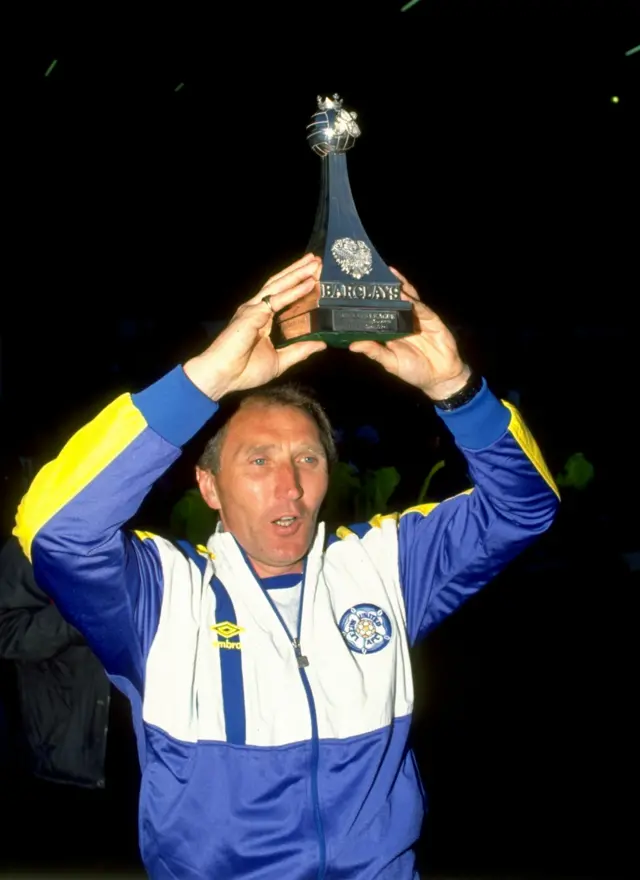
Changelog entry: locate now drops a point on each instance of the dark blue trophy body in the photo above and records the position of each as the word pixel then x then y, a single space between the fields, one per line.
pixel 357 296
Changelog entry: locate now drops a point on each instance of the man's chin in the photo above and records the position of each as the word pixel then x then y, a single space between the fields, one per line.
pixel 289 552
pixel 281 554
pixel 289 555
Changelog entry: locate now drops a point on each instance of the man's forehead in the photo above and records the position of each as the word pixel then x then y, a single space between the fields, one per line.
pixel 257 424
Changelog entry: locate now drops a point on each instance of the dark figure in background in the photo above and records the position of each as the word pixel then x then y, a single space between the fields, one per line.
pixel 16 473
pixel 64 731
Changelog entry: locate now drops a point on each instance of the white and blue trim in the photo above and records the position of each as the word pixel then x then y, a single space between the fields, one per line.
pixel 230 658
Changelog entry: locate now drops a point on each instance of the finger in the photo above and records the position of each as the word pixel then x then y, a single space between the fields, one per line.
pixel 286 283
pixel 297 352
pixel 410 294
pixel 303 261
pixel 424 313
pixel 376 352
pixel 407 286
pixel 279 301
pixel 257 315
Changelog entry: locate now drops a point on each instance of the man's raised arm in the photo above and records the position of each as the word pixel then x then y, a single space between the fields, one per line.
pixel 448 551
pixel 105 581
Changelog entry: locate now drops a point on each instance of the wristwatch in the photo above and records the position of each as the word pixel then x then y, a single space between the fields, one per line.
pixel 464 395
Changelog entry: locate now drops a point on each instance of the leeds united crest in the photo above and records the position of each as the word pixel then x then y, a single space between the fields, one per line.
pixel 353 257
pixel 365 628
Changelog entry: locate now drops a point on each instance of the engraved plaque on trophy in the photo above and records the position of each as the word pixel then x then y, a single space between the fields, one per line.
pixel 357 296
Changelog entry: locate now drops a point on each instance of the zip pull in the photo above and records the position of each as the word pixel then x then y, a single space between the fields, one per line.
pixel 302 660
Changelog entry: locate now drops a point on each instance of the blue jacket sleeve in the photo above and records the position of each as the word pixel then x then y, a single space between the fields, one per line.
pixel 448 551
pixel 106 581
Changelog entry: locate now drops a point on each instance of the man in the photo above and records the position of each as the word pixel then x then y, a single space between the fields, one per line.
pixel 273 732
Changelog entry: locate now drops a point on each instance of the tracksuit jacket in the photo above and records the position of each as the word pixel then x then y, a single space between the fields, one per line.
pixel 268 754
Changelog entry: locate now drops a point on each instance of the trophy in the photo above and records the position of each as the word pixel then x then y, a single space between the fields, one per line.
pixel 357 295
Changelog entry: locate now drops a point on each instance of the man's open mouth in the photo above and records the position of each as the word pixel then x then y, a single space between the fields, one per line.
pixel 285 520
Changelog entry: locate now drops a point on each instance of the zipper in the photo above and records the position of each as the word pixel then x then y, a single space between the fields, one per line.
pixel 303 662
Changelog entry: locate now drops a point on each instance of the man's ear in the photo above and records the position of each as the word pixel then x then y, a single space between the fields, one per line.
pixel 208 488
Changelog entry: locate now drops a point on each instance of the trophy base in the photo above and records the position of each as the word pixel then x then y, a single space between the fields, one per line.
pixel 339 326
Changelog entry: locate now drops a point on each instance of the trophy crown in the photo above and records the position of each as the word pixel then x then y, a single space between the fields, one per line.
pixel 334 103
pixel 332 129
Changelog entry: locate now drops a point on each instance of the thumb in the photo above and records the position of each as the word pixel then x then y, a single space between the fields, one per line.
pixel 298 351
pixel 375 351
pixel 256 315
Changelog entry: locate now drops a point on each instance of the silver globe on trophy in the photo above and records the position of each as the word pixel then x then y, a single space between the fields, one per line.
pixel 357 295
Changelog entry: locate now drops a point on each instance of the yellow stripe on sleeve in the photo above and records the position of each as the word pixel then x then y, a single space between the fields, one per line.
pixel 343 532
pixel 379 518
pixel 524 439
pixel 144 536
pixel 424 509
pixel 85 456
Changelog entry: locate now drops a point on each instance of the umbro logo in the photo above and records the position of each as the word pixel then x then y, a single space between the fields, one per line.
pixel 227 631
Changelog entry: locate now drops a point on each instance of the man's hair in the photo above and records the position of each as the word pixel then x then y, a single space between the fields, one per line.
pixel 274 395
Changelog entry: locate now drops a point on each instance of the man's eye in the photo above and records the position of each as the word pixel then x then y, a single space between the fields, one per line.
pixel 259 461
pixel 309 459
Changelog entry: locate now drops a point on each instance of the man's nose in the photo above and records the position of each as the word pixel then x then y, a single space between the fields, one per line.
pixel 288 483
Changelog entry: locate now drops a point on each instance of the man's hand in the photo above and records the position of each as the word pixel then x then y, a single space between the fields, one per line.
pixel 243 356
pixel 429 359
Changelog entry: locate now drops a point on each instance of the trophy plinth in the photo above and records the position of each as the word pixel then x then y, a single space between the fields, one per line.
pixel 357 296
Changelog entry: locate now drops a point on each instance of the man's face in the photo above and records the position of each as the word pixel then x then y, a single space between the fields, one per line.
pixel 272 479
